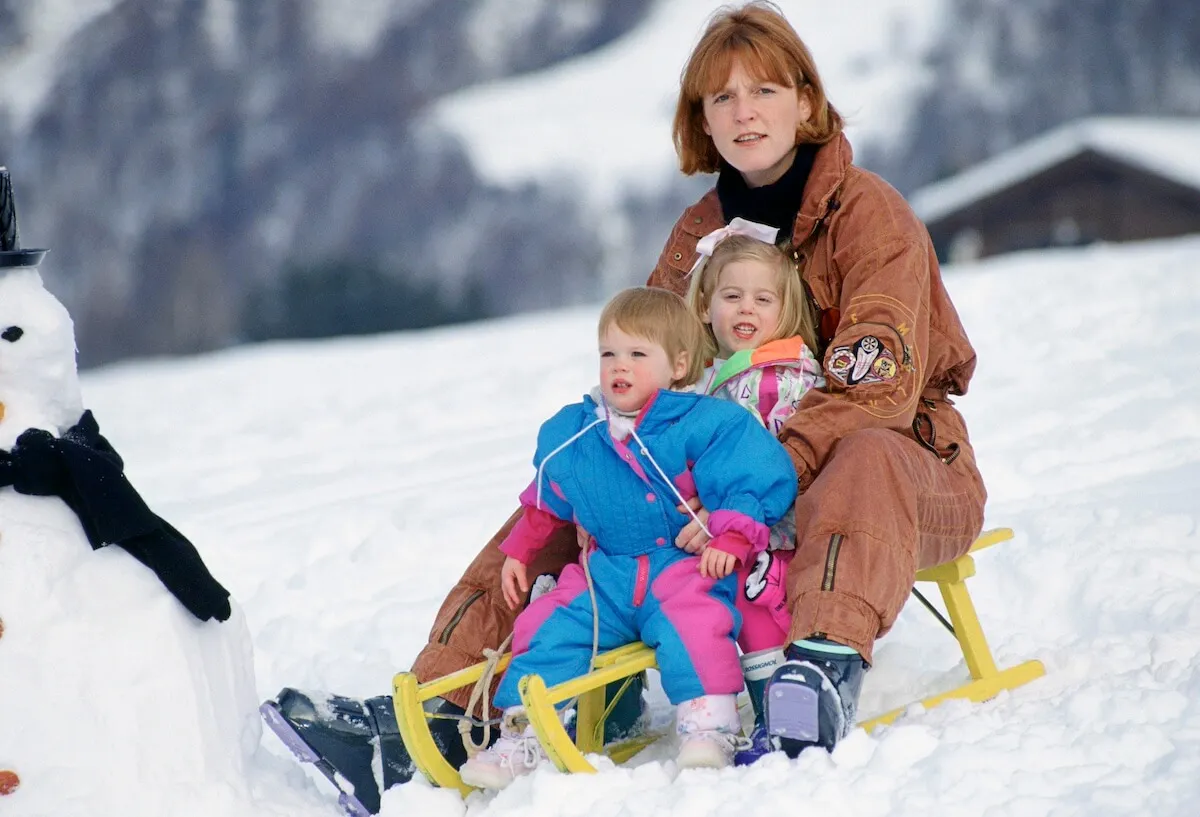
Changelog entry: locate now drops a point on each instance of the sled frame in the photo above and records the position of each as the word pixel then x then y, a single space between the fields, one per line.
pixel 569 755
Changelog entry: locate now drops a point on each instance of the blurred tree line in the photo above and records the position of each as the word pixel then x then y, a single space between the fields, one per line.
pixel 186 154
pixel 350 297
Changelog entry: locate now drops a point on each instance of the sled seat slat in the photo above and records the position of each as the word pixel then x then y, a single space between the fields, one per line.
pixel 623 662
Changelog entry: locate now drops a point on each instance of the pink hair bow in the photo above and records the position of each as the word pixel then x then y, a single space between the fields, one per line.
pixel 738 226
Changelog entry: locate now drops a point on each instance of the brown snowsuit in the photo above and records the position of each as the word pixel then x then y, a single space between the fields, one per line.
pixel 888 478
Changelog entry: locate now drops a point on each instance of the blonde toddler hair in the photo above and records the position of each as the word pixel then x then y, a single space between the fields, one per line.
pixel 661 317
pixel 796 313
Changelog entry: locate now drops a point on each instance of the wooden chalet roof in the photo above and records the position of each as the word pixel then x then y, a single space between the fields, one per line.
pixel 1167 147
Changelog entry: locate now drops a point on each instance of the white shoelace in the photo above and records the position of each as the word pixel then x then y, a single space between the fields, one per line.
pixel 530 751
pixel 728 741
pixel 741 743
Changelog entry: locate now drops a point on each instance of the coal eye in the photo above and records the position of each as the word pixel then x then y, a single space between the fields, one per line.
pixel 12 334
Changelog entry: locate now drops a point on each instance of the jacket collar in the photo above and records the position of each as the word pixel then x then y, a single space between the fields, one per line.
pixel 819 199
pixel 781 352
pixel 828 173
pixel 661 410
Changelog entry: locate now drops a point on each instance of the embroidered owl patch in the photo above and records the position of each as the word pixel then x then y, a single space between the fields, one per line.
pixel 867 360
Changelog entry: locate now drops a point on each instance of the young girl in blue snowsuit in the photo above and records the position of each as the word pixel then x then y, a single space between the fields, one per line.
pixel 619 464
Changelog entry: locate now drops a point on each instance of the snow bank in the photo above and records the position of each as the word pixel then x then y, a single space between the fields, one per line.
pixel 340 504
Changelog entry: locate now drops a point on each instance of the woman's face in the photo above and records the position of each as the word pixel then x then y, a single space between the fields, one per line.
pixel 753 125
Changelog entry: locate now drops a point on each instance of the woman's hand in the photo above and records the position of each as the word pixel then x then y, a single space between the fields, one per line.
pixel 716 564
pixel 693 538
pixel 513 582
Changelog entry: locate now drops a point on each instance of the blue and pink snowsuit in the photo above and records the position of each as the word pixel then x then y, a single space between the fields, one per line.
pixel 646 588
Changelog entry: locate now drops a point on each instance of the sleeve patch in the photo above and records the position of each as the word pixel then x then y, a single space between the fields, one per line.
pixel 867 360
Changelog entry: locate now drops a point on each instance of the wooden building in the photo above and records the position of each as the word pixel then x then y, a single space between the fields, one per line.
pixel 1098 179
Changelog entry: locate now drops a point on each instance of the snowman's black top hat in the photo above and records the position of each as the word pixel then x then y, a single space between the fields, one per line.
pixel 11 254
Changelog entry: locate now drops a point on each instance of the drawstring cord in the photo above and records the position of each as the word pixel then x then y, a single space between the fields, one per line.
pixel 479 695
pixel 671 485
pixel 546 459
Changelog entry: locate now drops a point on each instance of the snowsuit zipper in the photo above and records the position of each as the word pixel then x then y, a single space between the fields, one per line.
pixel 640 582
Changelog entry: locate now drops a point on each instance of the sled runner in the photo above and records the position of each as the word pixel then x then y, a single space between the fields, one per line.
pixel 626 662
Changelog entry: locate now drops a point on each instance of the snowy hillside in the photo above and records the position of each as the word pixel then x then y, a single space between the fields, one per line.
pixel 605 118
pixel 26 76
pixel 338 489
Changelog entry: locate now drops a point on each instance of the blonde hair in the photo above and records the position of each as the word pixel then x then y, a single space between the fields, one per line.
pixel 796 313
pixel 661 317
pixel 759 37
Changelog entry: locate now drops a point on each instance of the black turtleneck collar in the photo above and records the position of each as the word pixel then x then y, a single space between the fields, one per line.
pixel 774 204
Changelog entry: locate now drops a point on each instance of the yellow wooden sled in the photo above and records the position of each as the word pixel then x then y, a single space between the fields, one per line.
pixel 626 662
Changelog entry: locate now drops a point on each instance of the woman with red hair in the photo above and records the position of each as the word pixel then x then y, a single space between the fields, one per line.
pixel 888 481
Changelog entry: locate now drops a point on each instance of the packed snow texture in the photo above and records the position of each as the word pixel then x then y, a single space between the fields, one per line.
pixel 339 489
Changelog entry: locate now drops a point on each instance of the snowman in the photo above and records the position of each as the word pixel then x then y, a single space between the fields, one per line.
pixel 126 675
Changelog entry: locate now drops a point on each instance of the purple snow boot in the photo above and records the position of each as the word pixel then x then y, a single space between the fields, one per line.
pixel 812 698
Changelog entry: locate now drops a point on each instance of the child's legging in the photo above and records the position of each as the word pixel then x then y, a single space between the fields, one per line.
pixel 690 621
pixel 762 601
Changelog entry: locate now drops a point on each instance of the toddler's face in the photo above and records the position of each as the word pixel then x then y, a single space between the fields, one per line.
pixel 632 369
pixel 744 310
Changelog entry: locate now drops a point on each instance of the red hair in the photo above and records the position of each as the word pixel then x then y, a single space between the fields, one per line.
pixel 761 39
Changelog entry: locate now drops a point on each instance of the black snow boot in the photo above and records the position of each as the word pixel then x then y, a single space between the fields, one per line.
pixel 812 698
pixel 630 715
pixel 338 735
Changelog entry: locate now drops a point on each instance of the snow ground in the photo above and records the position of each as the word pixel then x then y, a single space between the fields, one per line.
pixel 339 488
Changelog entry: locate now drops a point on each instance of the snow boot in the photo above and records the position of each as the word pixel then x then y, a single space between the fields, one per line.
pixel 708 727
pixel 518 752
pixel 812 699
pixel 338 735
pixel 758 667
pixel 754 748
